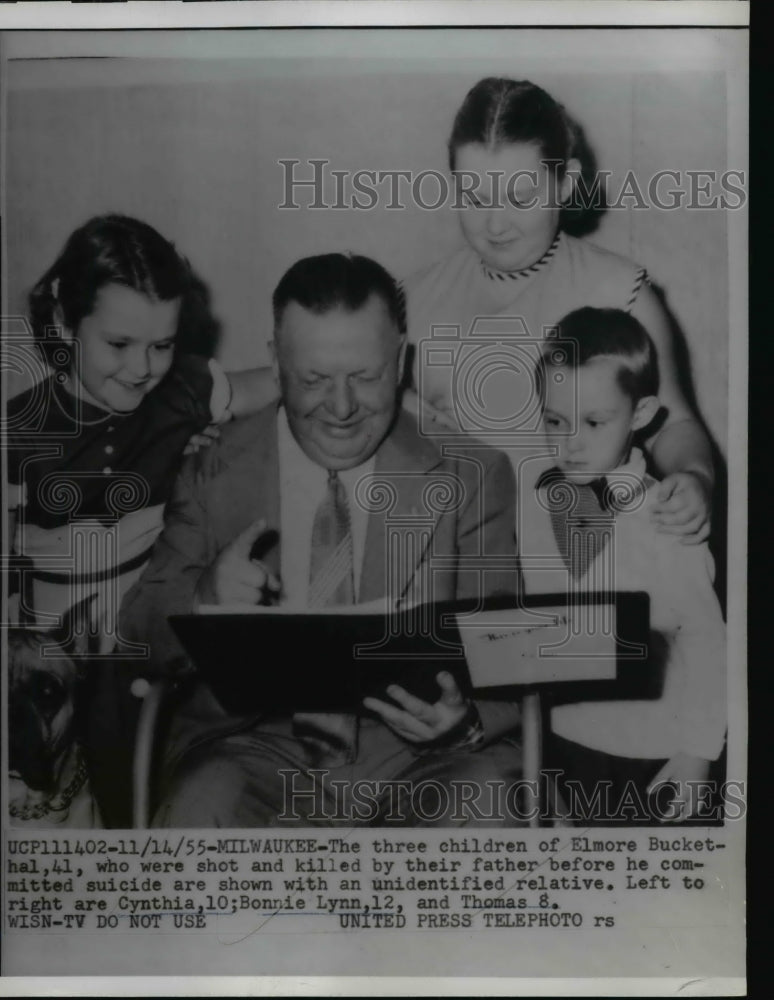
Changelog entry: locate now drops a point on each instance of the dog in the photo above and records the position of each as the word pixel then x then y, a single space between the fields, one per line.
pixel 49 783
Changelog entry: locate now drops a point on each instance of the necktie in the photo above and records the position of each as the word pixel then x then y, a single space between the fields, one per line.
pixel 582 524
pixel 331 579
pixel 330 737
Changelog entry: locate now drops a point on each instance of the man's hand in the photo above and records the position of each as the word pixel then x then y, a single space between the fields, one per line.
pixel 683 507
pixel 235 578
pixel 686 772
pixel 418 721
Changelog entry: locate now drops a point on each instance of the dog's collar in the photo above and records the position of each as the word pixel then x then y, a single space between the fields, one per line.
pixel 58 802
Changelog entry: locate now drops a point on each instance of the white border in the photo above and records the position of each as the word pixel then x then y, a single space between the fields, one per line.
pixel 340 13
pixel 261 52
pixel 216 986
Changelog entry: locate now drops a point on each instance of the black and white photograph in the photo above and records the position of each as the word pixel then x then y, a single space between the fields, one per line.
pixel 374 463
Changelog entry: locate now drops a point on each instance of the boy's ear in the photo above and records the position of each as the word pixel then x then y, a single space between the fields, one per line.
pixel 644 412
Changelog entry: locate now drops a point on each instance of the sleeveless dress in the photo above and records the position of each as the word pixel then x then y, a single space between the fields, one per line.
pixel 477 332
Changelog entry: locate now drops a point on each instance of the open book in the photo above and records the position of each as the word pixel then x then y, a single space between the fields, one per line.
pixel 293 659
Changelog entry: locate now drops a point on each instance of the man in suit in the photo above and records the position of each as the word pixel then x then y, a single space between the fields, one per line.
pixel 330 474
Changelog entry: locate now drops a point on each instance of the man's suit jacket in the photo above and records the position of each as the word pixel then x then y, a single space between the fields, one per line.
pixel 460 506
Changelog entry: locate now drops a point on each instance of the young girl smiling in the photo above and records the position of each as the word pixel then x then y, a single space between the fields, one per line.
pixel 102 437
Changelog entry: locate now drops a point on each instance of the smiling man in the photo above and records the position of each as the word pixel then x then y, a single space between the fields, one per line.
pixel 337 370
pixel 278 512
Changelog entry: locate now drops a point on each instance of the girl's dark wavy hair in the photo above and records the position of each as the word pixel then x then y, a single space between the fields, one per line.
pixel 116 249
pixel 498 111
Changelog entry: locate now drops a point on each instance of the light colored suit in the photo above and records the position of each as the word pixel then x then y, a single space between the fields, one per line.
pixel 469 543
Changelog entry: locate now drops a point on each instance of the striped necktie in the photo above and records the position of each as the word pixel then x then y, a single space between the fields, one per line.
pixel 331 576
pixel 330 737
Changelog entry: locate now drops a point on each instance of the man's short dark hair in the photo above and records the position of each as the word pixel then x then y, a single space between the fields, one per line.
pixel 337 280
pixel 605 333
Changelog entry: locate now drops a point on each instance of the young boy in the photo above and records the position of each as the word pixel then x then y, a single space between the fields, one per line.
pixel 586 526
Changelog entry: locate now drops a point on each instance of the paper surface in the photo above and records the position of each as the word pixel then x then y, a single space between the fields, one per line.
pixel 186 129
pixel 503 648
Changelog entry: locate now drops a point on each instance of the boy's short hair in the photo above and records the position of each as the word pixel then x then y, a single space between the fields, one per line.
pixel 333 280
pixel 605 333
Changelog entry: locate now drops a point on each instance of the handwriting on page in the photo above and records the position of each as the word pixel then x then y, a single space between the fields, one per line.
pixel 519 647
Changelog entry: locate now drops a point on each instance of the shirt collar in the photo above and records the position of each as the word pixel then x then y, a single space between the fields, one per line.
pixel 627 484
pixel 635 466
pixel 621 487
pixel 298 466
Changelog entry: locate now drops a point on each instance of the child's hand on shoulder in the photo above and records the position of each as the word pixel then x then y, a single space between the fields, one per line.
pixel 683 507
pixel 686 772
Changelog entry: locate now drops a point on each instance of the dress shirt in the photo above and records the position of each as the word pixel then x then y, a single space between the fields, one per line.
pixel 303 485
